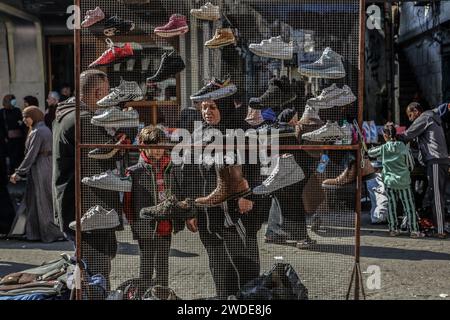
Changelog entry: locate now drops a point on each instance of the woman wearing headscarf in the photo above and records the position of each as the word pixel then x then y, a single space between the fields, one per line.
pixel 37 168
pixel 232 260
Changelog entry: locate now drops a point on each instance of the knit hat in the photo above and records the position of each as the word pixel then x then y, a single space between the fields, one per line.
pixel 34 113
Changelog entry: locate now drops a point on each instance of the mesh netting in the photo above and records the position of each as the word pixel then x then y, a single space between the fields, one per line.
pixel 301 219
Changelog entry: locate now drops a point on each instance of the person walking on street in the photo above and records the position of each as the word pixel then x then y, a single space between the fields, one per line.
pixel 37 168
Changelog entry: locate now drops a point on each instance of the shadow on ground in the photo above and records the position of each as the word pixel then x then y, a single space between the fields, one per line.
pixel 133 249
pixel 7 267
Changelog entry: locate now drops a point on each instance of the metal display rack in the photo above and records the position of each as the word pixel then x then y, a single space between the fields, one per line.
pixel 340 241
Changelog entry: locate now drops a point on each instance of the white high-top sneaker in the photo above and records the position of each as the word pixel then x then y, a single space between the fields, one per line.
pixel 329 66
pixel 273 48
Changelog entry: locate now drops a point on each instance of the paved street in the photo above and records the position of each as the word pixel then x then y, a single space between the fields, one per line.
pixel 410 268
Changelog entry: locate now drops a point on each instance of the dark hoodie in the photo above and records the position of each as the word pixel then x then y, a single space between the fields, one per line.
pixel 427 128
pixel 64 145
pixel 64 164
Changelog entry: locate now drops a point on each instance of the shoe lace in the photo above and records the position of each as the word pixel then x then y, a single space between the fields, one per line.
pixel 110 45
pixel 272 176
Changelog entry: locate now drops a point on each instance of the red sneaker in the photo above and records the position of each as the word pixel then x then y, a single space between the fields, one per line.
pixel 113 54
pixel 176 26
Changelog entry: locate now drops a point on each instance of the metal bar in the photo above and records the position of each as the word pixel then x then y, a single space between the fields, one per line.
pixel 361 87
pixel 170 146
pixel 77 54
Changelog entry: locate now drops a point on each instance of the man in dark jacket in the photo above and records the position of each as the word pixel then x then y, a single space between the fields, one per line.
pixel 99 247
pixel 427 129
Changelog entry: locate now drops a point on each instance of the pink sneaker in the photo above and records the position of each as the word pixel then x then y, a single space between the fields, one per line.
pixel 176 26
pixel 92 17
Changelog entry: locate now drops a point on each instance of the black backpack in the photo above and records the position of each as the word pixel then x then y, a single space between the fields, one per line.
pixel 280 283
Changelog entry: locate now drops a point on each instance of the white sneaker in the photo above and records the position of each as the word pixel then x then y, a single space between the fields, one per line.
pixel 126 91
pixel 330 132
pixel 116 118
pixel 333 97
pixel 97 218
pixel 273 48
pixel 329 66
pixel 207 12
pixel 109 180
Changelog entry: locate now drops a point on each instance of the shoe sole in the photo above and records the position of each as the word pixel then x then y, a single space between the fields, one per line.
pixel 340 186
pixel 109 187
pixel 324 74
pixel 234 196
pixel 324 140
pixel 103 156
pixel 117 61
pixel 223 44
pixel 115 103
pixel 172 33
pixel 265 54
pixel 91 23
pixel 116 124
pixel 340 102
pixel 218 94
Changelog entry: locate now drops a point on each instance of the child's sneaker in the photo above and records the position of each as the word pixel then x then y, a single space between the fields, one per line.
pixel 417 234
pixel 394 233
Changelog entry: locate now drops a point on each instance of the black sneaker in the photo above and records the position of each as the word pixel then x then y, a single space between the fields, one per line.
pixel 282 130
pixel 117 26
pixel 171 64
pixel 214 90
pixel 280 93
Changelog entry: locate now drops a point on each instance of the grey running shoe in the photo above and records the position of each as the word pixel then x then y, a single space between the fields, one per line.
pixel 164 210
pixel 126 91
pixel 274 48
pixel 286 173
pixel 330 132
pixel 329 66
pixel 115 118
pixel 97 218
pixel 109 180
pixel 333 97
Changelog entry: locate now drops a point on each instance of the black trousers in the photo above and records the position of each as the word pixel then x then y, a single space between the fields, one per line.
pixel 437 179
pixel 232 261
pixel 16 153
pixel 97 251
pixel 154 258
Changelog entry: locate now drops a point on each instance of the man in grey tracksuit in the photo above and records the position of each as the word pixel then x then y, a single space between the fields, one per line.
pixel 427 128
